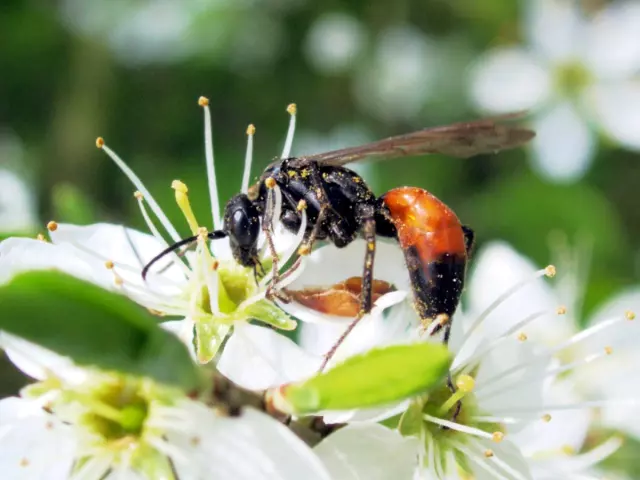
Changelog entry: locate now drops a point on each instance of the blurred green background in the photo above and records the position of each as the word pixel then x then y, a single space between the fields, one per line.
pixel 131 71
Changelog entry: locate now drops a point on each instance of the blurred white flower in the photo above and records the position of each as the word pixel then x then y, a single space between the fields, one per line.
pixel 17 204
pixel 240 32
pixel 84 424
pixel 575 73
pixel 334 42
pixel 397 82
pixel 207 288
pixel 17 198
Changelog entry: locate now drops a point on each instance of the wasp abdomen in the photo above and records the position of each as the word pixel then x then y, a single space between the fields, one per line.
pixel 433 242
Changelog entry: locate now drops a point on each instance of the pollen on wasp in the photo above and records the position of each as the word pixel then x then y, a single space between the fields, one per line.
pixel 302 205
pixel 270 182
pixel 203 101
pixel 304 250
pixel 52 226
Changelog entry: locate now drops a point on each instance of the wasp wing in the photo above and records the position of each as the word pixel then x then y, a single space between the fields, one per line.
pixel 462 140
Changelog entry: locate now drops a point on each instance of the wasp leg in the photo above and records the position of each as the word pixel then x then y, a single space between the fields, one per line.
pixel 469 240
pixel 325 205
pixel 366 213
pixel 267 228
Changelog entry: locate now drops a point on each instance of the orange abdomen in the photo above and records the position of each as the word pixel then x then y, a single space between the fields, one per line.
pixel 424 222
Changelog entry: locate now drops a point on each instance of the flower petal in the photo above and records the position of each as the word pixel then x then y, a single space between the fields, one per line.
pixel 26 439
pixel 23 254
pixel 252 446
pixel 368 451
pixel 119 244
pixel 509 79
pixel 498 267
pixel 614 104
pixel 38 362
pixel 258 358
pixel 612 48
pixel 554 28
pixel 563 147
pixel 567 428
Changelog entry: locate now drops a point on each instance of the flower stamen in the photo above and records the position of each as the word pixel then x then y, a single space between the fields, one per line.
pixel 292 109
pixel 133 178
pixel 211 171
pixel 248 159
pixel 182 199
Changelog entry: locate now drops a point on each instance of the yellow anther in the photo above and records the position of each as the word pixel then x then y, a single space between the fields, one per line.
pixel 251 130
pixel 630 315
pixel 24 462
pixel 561 310
pixel 41 237
pixel 270 182
pixel 138 194
pixel 109 265
pixel 52 226
pixel 155 312
pixel 568 450
pixel 179 186
pixel 203 232
pixel 203 101
pixel 302 205
pixel 292 109
pixel 49 425
pixel 608 350
pixel 215 264
pixel 465 383
pixel 99 142
pixel 304 249
pixel 118 281
pixel 195 441
pixel 488 453
pixel 182 199
pixel 550 271
pixel 546 418
pixel 522 337
pixel 497 437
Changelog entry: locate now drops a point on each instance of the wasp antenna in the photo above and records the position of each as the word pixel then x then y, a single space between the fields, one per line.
pixel 166 251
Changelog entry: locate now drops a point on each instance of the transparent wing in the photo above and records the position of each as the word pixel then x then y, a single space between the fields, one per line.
pixel 462 140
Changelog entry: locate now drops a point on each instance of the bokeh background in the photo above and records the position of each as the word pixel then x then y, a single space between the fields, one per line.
pixel 131 71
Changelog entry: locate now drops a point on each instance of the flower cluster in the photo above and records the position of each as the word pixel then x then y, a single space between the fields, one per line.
pixel 575 73
pixel 517 403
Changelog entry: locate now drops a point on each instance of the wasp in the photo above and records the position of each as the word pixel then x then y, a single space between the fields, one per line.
pixel 340 207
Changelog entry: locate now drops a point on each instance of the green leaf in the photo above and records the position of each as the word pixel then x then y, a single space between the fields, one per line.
pixel 94 327
pixel 378 377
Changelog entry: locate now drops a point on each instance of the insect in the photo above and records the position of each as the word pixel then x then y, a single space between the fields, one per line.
pixel 340 207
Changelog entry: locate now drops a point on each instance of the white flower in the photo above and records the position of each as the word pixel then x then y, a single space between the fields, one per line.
pixel 207 289
pixel 607 382
pixel 502 379
pixel 84 424
pixel 575 73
